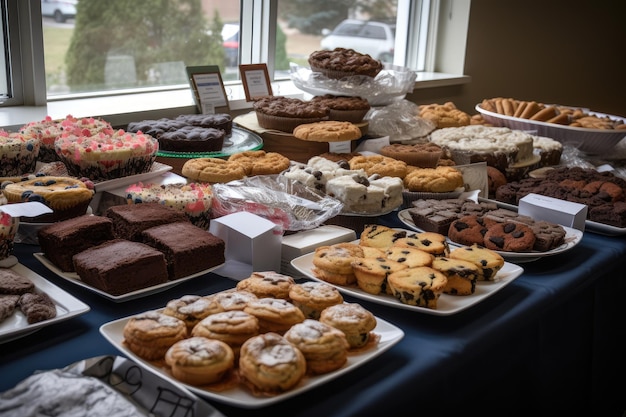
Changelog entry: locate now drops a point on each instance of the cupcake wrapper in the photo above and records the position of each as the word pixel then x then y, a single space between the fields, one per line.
pixel 109 170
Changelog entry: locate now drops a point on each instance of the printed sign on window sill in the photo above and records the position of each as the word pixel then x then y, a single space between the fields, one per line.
pixel 256 81
pixel 208 89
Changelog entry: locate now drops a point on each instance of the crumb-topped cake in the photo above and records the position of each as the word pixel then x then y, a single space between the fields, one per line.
pixel 342 62
pixel 107 155
pixel 344 108
pixel 285 113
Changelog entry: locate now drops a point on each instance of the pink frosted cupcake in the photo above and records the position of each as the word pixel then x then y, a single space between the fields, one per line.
pixel 107 155
pixel 48 129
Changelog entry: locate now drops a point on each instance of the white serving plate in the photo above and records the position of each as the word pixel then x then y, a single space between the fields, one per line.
pixel 241 397
pixel 446 305
pixel 157 169
pixel 67 307
pixel 593 141
pixel 572 238
pixel 75 279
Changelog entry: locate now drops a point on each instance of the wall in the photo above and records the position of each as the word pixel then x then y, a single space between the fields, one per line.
pixel 560 51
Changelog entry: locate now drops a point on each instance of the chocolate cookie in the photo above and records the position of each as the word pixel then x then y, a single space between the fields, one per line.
pixel 468 230
pixel 510 237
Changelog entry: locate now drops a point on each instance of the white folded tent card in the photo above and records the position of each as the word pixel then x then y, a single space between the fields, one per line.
pixel 253 244
pixel 554 210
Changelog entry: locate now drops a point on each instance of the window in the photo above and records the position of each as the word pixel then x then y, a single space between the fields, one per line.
pixel 151 53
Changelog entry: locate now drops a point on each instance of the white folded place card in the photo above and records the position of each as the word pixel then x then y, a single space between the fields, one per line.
pixel 28 209
pixel 251 241
pixel 554 210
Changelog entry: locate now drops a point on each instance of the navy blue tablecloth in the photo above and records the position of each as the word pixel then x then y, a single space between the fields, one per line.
pixel 550 342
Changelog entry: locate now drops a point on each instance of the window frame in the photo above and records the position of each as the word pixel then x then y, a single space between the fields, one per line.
pixel 258 32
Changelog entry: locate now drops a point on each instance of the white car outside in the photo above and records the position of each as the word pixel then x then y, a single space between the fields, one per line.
pixel 59 10
pixel 367 37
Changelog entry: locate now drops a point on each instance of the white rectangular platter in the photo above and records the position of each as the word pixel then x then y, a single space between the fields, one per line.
pixel 75 279
pixel 388 334
pixel 446 305
pixel 572 238
pixel 67 307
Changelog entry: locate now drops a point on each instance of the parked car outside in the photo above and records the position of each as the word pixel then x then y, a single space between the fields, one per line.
pixel 59 10
pixel 230 37
pixel 365 36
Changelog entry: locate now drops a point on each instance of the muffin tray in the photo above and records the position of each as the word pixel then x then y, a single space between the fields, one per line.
pixel 446 305
pixel 238 396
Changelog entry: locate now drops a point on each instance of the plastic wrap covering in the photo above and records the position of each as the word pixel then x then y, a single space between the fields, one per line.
pixel 391 84
pixel 401 122
pixel 281 200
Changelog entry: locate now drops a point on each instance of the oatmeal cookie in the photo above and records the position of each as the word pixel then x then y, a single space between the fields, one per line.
pixel 441 179
pixel 379 164
pixel 327 131
pixel 213 170
pixel 260 162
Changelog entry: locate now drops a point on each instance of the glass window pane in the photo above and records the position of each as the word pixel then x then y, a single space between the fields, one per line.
pixel 304 27
pixel 90 46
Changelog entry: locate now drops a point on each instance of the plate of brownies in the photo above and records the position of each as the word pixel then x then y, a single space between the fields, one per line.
pixel 15 323
pixel 571 238
pixel 143 292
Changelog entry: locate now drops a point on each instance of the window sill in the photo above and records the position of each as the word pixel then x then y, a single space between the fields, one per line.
pixel 120 110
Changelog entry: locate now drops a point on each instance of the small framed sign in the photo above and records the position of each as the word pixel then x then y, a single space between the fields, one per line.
pixel 256 81
pixel 208 89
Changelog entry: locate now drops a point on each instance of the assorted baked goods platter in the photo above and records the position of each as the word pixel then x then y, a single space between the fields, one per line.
pixel 234 384
pixel 16 324
pixel 468 285
pixel 144 292
pixel 571 239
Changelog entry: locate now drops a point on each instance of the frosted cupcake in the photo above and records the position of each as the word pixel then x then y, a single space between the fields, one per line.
pixel 18 154
pixel 194 199
pixel 48 129
pixel 107 155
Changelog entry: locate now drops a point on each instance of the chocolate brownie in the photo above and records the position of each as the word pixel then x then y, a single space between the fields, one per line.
pixel 611 214
pixel 129 220
pixel 509 237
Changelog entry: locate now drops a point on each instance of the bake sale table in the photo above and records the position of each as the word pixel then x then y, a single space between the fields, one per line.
pixel 546 344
